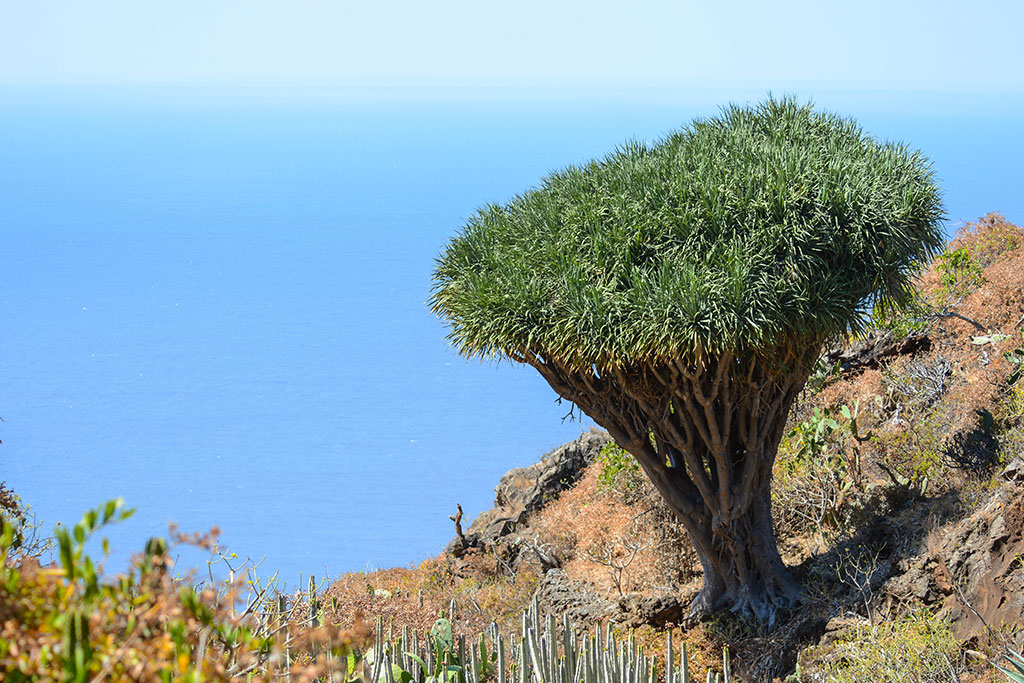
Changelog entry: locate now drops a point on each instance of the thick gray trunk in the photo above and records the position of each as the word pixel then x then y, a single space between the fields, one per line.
pixel 706 432
pixel 743 571
pixel 734 537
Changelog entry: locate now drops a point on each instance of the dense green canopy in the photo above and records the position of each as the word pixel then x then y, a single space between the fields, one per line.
pixel 757 228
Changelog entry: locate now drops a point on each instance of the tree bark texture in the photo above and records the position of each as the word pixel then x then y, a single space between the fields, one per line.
pixel 706 432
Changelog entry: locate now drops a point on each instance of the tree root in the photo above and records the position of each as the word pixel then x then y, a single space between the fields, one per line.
pixel 762 608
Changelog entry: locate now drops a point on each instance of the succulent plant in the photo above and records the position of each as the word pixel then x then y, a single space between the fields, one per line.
pixel 545 652
pixel 1017 661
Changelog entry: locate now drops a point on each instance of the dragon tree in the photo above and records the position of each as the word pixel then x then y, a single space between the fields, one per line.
pixel 679 294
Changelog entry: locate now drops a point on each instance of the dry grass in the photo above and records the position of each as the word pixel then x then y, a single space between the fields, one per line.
pixel 416 596
pixel 576 527
pixel 601 528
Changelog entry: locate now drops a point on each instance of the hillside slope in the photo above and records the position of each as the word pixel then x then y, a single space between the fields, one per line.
pixel 897 492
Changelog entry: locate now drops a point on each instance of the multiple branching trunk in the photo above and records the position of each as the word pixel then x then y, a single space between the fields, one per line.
pixel 706 431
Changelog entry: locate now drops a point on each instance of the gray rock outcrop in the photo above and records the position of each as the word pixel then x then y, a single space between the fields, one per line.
pixel 873 349
pixel 558 594
pixel 975 574
pixel 525 490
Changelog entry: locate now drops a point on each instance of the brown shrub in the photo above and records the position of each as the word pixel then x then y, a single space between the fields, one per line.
pixel 10 504
pixel 863 388
pixel 598 529
pixel 988 238
pixel 68 623
pixel 416 596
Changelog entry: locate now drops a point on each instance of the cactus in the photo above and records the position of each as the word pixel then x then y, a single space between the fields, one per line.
pixel 543 653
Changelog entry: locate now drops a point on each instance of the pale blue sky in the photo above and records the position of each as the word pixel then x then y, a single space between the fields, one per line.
pixel 794 44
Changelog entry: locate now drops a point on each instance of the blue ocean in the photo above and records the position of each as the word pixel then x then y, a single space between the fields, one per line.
pixel 214 301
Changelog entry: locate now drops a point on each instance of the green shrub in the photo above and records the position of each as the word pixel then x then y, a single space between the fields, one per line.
pixel 812 476
pixel 917 648
pixel 959 275
pixel 823 375
pixel 620 473
pixel 70 623
pixel 1011 408
pixel 911 456
pixel 913 318
pixel 988 238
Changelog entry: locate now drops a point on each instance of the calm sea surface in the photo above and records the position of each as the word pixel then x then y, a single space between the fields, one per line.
pixel 213 304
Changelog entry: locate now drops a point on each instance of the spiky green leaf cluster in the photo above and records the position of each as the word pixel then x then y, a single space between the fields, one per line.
pixel 760 227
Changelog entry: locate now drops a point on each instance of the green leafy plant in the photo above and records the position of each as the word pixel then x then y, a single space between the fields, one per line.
pixel 69 622
pixel 812 435
pixel 620 472
pixel 911 318
pixel 959 275
pixel 1017 662
pixel 912 455
pixel 1016 359
pixel 852 415
pixel 915 648
pixel 823 374
pixel 988 238
pixel 813 478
